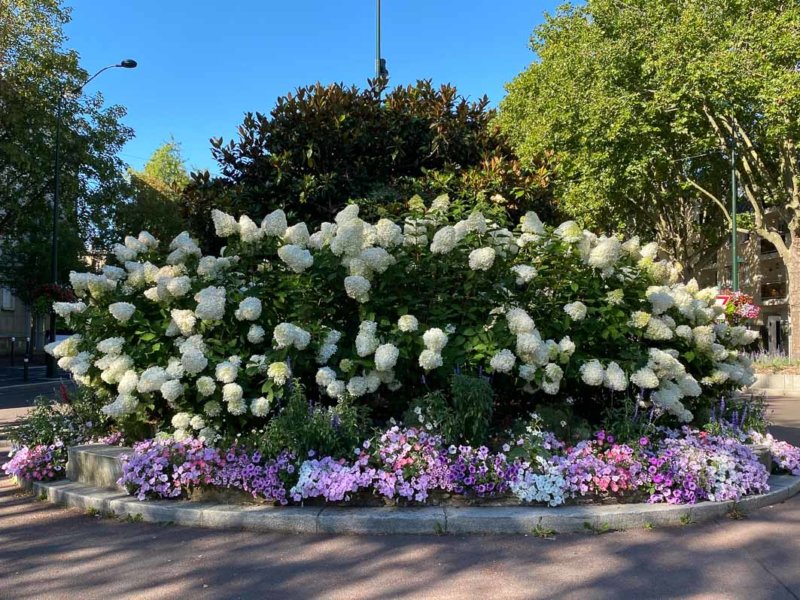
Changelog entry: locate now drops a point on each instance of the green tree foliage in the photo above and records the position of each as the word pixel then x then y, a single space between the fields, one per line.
pixel 640 102
pixel 620 92
pixel 324 145
pixel 155 195
pixel 35 71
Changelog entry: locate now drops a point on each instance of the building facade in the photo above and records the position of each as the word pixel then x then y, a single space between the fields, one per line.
pixel 763 276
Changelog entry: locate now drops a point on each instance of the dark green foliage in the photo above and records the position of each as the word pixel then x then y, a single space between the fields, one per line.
pixel 302 426
pixel 324 145
pixel 73 420
pixel 155 192
pixel 35 71
pixel 461 416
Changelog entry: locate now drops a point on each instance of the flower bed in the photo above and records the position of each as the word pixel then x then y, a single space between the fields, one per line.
pixel 405 465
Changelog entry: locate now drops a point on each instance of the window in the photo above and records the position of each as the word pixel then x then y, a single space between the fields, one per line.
pixel 6 299
pixel 770 291
pixel 768 247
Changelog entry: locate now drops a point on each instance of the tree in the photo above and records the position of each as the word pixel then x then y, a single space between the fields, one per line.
pixel 154 204
pixel 35 71
pixel 325 145
pixel 640 102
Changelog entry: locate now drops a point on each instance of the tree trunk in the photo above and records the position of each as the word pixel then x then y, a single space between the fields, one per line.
pixel 793 272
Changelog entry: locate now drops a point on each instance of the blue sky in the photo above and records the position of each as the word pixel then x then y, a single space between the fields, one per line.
pixel 204 63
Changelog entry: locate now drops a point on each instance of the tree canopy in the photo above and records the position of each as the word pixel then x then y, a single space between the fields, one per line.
pixel 624 93
pixel 324 145
pixel 154 197
pixel 35 71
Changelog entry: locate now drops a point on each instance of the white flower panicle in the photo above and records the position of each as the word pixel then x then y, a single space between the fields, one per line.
pixel 249 309
pixel 503 361
pixel 482 259
pixel 434 339
pixel 298 259
pixel 386 356
pixel 408 323
pixel 122 311
pixel 576 310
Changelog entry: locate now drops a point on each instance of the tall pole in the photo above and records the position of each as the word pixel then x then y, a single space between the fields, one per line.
pixel 378 70
pixel 51 361
pixel 734 233
pixel 125 64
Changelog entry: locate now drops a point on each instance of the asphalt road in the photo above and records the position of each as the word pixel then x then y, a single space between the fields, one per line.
pixel 50 552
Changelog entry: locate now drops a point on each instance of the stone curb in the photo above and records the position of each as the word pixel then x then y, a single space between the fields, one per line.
pixel 396 520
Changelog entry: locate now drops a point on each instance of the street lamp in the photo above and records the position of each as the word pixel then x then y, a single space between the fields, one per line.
pixel 125 64
pixel 380 63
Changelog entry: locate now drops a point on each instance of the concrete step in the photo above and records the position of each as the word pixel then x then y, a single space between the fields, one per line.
pixel 96 465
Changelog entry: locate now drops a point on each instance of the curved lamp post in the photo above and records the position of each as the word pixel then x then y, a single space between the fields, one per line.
pixel 125 64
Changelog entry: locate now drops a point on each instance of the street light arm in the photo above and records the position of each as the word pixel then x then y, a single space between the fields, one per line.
pixel 79 89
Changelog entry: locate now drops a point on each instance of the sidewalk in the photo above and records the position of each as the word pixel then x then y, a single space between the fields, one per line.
pixel 50 552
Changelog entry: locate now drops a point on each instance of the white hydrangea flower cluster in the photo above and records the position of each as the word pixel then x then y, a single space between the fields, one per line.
pixel 211 301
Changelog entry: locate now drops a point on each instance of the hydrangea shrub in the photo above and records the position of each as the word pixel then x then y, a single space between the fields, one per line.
pixel 384 312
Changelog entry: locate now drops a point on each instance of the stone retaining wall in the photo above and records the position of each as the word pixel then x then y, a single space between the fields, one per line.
pixel 777 384
pixel 94 467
